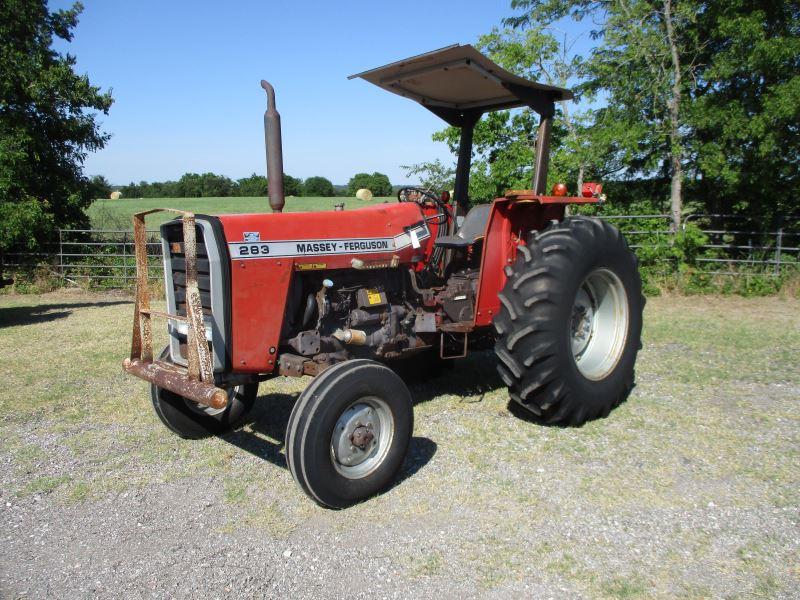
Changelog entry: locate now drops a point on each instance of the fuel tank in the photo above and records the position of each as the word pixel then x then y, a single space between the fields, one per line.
pixel 266 250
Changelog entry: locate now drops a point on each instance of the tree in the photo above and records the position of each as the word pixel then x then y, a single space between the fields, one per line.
pixel 317 186
pixel 381 186
pixel 433 176
pixel 253 186
pixel 359 181
pixel 654 44
pixel 504 141
pixel 190 185
pixel 100 188
pixel 377 183
pixel 47 124
pixel 132 190
pixel 292 186
pixel 502 149
pixel 540 52
pixel 215 186
pixel 745 114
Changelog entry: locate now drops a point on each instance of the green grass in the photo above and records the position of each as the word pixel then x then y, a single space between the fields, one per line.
pixel 713 420
pixel 117 214
pixel 43 485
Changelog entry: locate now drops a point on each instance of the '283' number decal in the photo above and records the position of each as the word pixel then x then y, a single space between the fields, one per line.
pixel 254 250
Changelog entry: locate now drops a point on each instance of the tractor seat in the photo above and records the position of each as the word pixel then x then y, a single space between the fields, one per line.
pixel 471 229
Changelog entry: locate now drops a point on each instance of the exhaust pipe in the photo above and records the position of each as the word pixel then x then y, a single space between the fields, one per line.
pixel 272 140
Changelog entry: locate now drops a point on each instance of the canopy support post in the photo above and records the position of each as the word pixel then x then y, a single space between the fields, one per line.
pixel 541 159
pixel 461 189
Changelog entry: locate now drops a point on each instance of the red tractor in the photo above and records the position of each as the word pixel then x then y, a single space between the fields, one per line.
pixel 345 296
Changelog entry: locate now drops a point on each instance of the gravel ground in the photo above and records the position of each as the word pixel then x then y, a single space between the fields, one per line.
pixel 690 489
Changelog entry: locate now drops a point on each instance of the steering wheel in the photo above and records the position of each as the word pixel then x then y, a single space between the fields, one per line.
pixel 418 195
pixel 425 198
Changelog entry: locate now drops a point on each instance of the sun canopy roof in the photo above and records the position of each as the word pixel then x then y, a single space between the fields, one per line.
pixel 459 79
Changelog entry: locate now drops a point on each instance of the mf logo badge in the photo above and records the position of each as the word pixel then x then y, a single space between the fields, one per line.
pixel 252 236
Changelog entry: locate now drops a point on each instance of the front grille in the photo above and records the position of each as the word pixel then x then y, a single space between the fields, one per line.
pixel 177 263
pixel 213 275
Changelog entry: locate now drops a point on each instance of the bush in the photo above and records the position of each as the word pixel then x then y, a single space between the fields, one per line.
pixel 292 186
pixel 317 186
pixel 255 185
pixel 377 183
pixel 99 186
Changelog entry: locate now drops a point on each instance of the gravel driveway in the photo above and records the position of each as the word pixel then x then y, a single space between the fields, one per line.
pixel 689 489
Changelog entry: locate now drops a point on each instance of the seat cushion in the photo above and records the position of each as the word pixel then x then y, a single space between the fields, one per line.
pixel 471 229
pixel 453 241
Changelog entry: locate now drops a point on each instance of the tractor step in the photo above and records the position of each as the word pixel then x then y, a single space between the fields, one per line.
pixel 460 351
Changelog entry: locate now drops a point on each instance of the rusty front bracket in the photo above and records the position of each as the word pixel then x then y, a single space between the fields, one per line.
pixel 196 382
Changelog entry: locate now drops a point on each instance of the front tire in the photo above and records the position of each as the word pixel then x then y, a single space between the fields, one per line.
pixel 348 433
pixel 570 323
pixel 194 421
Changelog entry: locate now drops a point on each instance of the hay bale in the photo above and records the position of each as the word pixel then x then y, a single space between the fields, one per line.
pixel 364 194
pixel 115 195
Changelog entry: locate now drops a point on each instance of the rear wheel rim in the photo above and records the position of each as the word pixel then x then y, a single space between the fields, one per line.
pixel 599 324
pixel 362 437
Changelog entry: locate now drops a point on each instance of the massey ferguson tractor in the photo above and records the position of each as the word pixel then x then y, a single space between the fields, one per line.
pixel 346 296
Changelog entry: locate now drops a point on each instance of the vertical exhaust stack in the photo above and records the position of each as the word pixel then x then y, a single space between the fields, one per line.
pixel 274 146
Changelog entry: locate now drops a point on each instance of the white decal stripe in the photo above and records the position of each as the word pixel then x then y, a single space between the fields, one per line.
pixel 324 247
pixel 404 239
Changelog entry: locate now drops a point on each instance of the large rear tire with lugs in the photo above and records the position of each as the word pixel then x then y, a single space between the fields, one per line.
pixel 570 322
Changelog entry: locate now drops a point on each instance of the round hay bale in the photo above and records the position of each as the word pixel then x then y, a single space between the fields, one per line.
pixel 364 194
pixel 115 195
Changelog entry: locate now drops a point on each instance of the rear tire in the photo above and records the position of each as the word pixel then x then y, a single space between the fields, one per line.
pixel 348 433
pixel 193 421
pixel 570 322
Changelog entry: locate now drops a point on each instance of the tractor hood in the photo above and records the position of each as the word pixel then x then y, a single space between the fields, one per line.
pixel 332 238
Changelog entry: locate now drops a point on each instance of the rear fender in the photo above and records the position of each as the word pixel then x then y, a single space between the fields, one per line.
pixel 507 227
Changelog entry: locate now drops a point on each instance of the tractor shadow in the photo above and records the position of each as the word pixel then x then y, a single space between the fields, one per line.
pixel 45 313
pixel 468 377
pixel 263 434
pixel 473 375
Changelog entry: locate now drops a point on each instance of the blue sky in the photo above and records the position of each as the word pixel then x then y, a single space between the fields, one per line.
pixel 185 78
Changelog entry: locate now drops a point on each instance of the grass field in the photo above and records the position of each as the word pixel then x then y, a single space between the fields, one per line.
pixel 690 489
pixel 116 214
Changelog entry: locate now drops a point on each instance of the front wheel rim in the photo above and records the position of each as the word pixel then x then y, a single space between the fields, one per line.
pixel 599 324
pixel 362 437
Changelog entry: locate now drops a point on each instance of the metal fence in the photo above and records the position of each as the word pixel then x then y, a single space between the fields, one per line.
pixel 729 248
pixel 740 246
pixel 727 245
pixel 102 256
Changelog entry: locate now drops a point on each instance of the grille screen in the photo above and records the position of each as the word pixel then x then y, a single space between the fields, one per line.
pixel 177 263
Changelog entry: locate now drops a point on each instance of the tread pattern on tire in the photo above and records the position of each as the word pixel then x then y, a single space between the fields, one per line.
pixel 297 430
pixel 532 355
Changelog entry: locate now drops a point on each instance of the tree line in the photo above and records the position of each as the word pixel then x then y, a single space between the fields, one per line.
pixel 194 185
